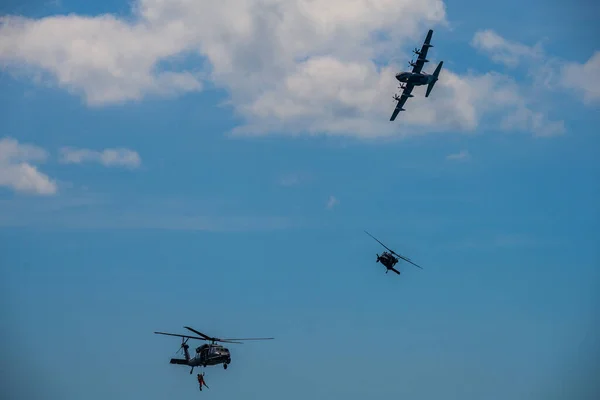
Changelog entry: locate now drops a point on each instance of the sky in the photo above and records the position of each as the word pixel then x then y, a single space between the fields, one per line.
pixel 214 164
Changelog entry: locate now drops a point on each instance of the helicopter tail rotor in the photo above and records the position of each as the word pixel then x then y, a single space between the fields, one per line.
pixel 183 349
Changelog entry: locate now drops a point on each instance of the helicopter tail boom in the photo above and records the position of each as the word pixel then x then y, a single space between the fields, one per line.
pixel 178 361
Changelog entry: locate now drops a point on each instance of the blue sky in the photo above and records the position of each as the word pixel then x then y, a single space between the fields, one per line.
pixel 230 194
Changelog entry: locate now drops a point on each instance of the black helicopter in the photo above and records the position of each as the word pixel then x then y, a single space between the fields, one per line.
pixel 388 260
pixel 207 354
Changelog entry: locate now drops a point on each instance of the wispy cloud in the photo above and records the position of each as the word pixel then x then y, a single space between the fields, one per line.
pixel 293 179
pixel 290 180
pixel 54 3
pixel 332 202
pixel 88 211
pixel 117 157
pixel 462 155
pixel 504 51
pixel 17 171
pixel 506 240
pixel 551 72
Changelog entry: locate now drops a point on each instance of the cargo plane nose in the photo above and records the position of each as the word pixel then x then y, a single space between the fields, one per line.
pixel 402 76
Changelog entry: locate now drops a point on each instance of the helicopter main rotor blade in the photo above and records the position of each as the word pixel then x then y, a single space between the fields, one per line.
pixel 380 242
pixel 393 252
pixel 228 340
pixel 200 333
pixel 181 336
pixel 407 260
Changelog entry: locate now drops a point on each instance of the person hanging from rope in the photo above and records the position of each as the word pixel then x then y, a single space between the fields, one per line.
pixel 201 381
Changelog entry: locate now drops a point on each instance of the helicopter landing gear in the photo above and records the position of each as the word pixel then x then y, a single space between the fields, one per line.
pixel 224 366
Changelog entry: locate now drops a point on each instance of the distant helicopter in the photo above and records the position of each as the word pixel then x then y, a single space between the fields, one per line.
pixel 207 354
pixel 387 258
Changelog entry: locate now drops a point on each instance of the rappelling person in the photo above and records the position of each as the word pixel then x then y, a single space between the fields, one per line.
pixel 201 381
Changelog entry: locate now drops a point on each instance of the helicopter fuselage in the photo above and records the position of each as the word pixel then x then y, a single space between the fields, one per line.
pixel 388 260
pixel 213 354
pixel 206 355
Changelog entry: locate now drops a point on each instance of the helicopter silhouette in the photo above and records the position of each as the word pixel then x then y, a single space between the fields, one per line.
pixel 206 354
pixel 387 258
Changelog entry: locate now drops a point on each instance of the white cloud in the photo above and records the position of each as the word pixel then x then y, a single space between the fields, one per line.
pixel 461 155
pixel 104 58
pixel 17 172
pixel 118 157
pixel 290 66
pixel 584 78
pixel 332 202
